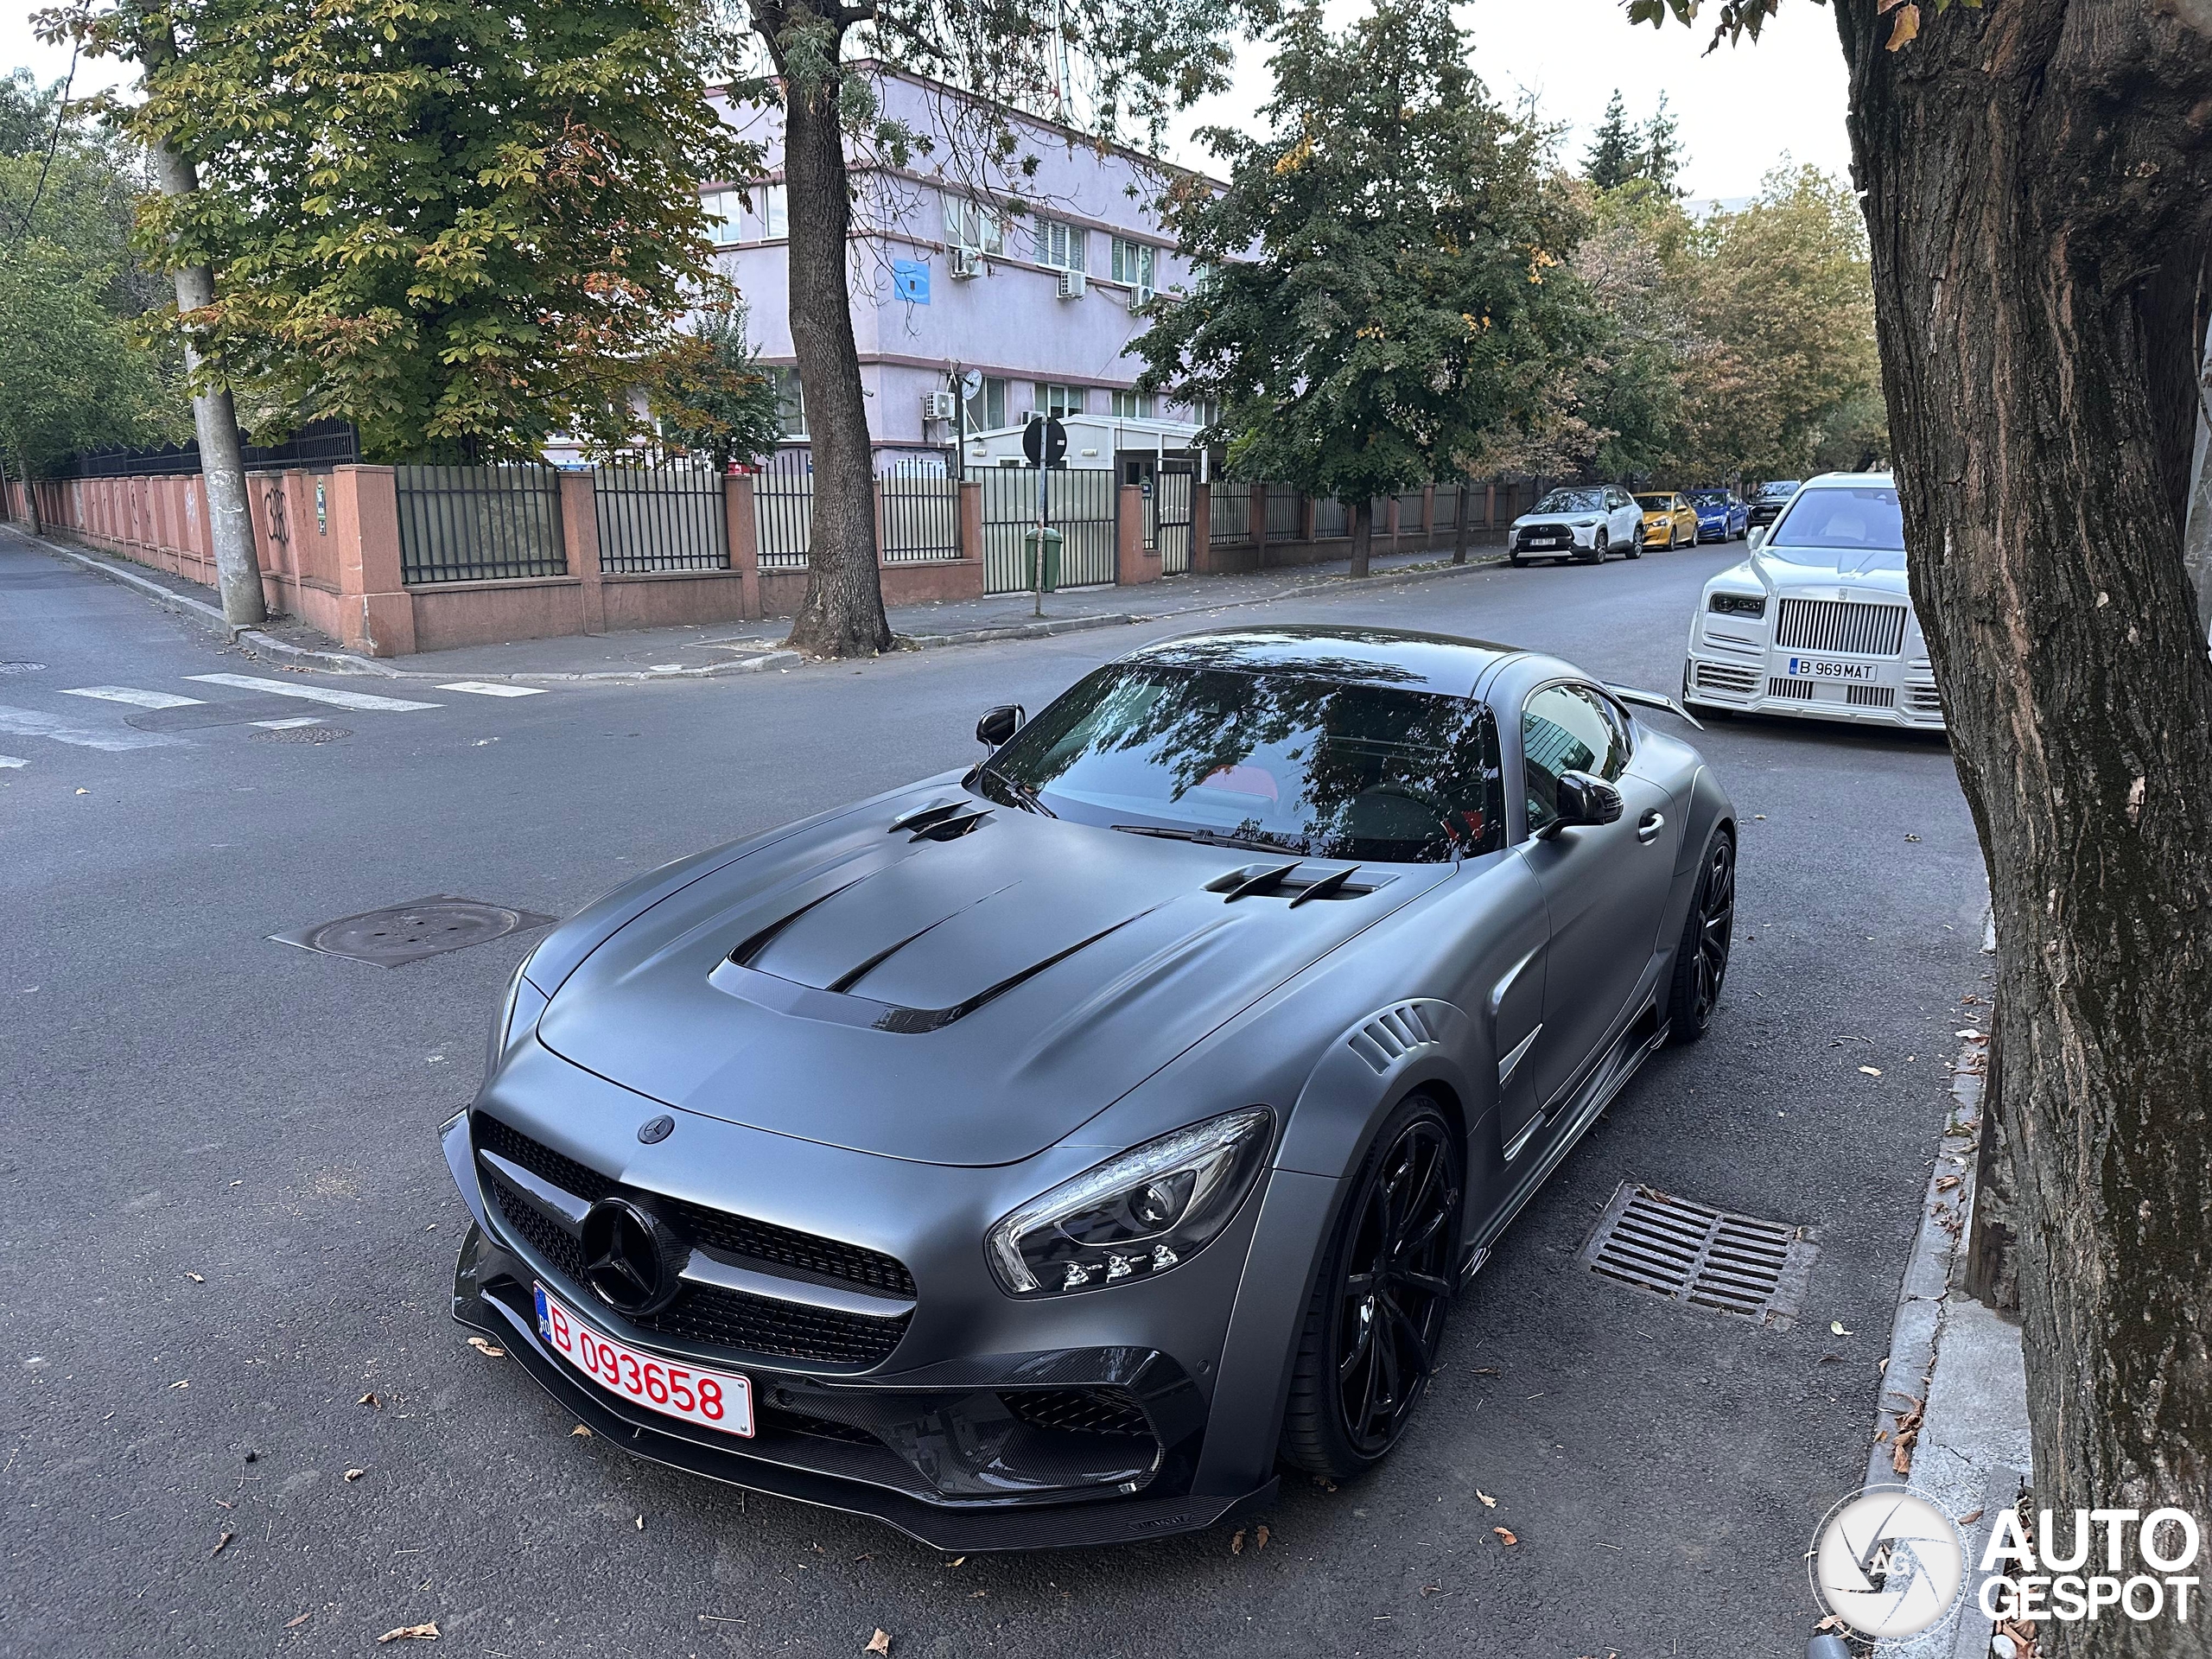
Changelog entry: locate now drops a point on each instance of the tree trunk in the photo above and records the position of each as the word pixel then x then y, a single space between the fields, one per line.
pixel 2038 188
pixel 1363 534
pixel 2196 531
pixel 843 613
pixel 1459 530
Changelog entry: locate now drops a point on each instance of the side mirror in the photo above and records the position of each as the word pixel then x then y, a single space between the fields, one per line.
pixel 1755 538
pixel 1583 799
pixel 998 725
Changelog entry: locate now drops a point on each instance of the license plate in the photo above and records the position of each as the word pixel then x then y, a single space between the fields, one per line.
pixel 722 1399
pixel 1817 668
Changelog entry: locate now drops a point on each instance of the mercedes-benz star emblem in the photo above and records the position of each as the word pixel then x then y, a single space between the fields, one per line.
pixel 655 1129
pixel 631 1257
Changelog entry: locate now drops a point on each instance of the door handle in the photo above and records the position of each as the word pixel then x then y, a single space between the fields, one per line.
pixel 1649 826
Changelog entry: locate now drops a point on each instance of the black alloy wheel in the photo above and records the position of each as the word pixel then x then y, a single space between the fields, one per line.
pixel 1702 960
pixel 1373 1326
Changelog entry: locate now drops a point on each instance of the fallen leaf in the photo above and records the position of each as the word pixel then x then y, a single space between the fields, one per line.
pixel 487 1349
pixel 1260 1538
pixel 1236 1544
pixel 181 1382
pixel 196 1278
pixel 880 1642
pixel 1906 30
pixel 427 1631
pixel 1907 1432
pixel 1945 1183
pixel 1968 1520
pixel 980 1595
pixel 295 1623
pixel 1487 1370
pixel 1505 1537
pixel 355 1474
pixel 955 1560
pixel 1759 817
pixel 1835 1326
pixel 1489 1502
pixel 370 1399
pixel 83 791
pixel 641 1523
pixel 1912 837
pixel 220 1544
pixel 1831 1622
pixel 1871 1071
pixel 1427 1590
pixel 580 1433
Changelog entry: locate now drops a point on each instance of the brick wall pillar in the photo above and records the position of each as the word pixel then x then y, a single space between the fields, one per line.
pixel 1428 513
pixel 580 541
pixel 1133 563
pixel 743 532
pixel 1258 520
pixel 1489 504
pixel 377 611
pixel 1201 524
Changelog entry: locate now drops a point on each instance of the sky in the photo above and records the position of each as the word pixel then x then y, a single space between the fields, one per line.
pixel 1742 110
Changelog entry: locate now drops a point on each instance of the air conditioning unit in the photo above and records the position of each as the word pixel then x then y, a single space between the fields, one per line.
pixel 1029 415
pixel 966 262
pixel 1072 284
pixel 939 406
pixel 1145 294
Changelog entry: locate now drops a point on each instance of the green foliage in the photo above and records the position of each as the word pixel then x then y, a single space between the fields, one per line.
pixel 1386 289
pixel 1661 157
pixel 1737 18
pixel 462 227
pixel 74 372
pixel 713 397
pixel 1611 162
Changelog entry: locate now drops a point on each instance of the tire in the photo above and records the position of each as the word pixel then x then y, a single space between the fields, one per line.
pixel 1634 549
pixel 1702 957
pixel 1418 1152
pixel 1516 561
pixel 1600 545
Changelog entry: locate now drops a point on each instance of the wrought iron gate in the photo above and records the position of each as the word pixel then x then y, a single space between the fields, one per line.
pixel 1168 526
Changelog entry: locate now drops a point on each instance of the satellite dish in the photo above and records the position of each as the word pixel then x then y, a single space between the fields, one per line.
pixel 972 382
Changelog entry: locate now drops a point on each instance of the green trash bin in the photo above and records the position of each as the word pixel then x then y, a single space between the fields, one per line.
pixel 1051 540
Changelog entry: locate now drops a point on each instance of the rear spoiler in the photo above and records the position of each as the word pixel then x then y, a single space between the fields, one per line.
pixel 1629 694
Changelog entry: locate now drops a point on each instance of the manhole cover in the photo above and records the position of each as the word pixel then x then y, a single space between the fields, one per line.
pixel 1688 1253
pixel 20 667
pixel 302 735
pixel 405 933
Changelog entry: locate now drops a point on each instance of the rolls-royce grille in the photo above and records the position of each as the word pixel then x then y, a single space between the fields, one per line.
pixel 1801 689
pixel 1870 696
pixel 1842 625
pixel 1726 676
pixel 712 1313
pixel 1078 1411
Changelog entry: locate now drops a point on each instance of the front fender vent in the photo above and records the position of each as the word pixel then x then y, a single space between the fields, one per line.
pixel 1393 1035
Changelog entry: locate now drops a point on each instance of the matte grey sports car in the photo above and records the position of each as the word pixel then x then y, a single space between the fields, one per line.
pixel 1041 1154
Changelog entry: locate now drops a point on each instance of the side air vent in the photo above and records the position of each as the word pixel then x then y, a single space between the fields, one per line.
pixel 1391 1035
pixel 940 820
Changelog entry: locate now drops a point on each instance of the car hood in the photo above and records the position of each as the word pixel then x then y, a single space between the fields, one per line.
pixel 1797 569
pixel 1581 516
pixel 969 1001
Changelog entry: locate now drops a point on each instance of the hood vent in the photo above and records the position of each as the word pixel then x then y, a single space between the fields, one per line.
pixel 1391 1035
pixel 1284 880
pixel 940 820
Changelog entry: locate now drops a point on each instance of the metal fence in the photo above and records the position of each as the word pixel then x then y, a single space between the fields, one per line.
pixel 918 514
pixel 1331 520
pixel 479 524
pixel 1447 506
pixel 318 447
pixel 1409 508
pixel 1229 517
pixel 783 510
pixel 660 519
pixel 1284 505
pixel 1080 503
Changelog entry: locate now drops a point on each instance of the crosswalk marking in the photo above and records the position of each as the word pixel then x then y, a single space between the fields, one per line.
pixel 286 725
pixel 130 693
pixel 486 688
pixel 10 761
pixel 313 693
pixel 28 722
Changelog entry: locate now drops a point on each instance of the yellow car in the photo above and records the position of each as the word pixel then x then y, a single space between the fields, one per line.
pixel 1669 520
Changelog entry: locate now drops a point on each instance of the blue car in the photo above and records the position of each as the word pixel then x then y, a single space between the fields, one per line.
pixel 1722 515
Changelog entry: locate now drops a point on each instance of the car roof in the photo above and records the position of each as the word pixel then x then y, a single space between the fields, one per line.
pixel 1846 481
pixel 1397 658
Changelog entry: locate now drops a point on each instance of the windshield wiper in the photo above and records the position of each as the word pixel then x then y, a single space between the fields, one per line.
pixel 1211 838
pixel 1024 795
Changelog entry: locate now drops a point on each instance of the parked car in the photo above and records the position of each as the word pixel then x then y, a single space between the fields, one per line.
pixel 1818 622
pixel 1669 521
pixel 1768 501
pixel 1037 1154
pixel 1722 515
pixel 1583 522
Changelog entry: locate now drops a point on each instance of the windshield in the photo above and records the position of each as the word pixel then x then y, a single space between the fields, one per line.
pixel 1308 765
pixel 1780 492
pixel 1709 497
pixel 1655 503
pixel 1834 517
pixel 1572 501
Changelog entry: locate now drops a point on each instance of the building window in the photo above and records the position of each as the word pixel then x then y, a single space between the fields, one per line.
pixel 1058 401
pixel 723 208
pixel 1132 264
pixel 754 215
pixel 973 228
pixel 987 409
pixel 1134 405
pixel 1059 244
pixel 790 403
pixel 1204 411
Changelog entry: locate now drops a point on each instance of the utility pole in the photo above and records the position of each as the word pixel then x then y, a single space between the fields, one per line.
pixel 214 417
pixel 2197 526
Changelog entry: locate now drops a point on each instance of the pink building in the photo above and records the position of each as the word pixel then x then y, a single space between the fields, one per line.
pixel 1024 286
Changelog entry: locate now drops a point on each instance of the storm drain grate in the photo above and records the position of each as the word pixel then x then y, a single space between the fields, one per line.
pixel 405 933
pixel 304 734
pixel 1688 1252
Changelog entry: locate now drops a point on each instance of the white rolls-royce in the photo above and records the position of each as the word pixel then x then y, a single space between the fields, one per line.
pixel 1818 622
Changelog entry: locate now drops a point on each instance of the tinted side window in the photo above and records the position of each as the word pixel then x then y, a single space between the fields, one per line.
pixel 1565 729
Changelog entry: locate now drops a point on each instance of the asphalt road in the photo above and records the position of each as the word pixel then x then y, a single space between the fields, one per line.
pixel 224 1218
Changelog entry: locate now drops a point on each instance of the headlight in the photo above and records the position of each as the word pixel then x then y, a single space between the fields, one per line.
pixel 1151 1208
pixel 1585 524
pixel 1737 605
pixel 517 1016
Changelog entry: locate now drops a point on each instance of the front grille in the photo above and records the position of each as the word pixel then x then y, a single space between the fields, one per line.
pixel 1078 1411
pixel 1924 701
pixel 1801 689
pixel 710 1313
pixel 1724 676
pixel 1841 626
pixel 1870 696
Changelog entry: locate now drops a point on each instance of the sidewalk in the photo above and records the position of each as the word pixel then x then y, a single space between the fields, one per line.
pixel 751 647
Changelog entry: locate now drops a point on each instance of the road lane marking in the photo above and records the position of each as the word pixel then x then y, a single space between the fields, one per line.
pixel 28 722
pixel 130 693
pixel 486 688
pixel 314 693
pixel 10 761
pixel 286 725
